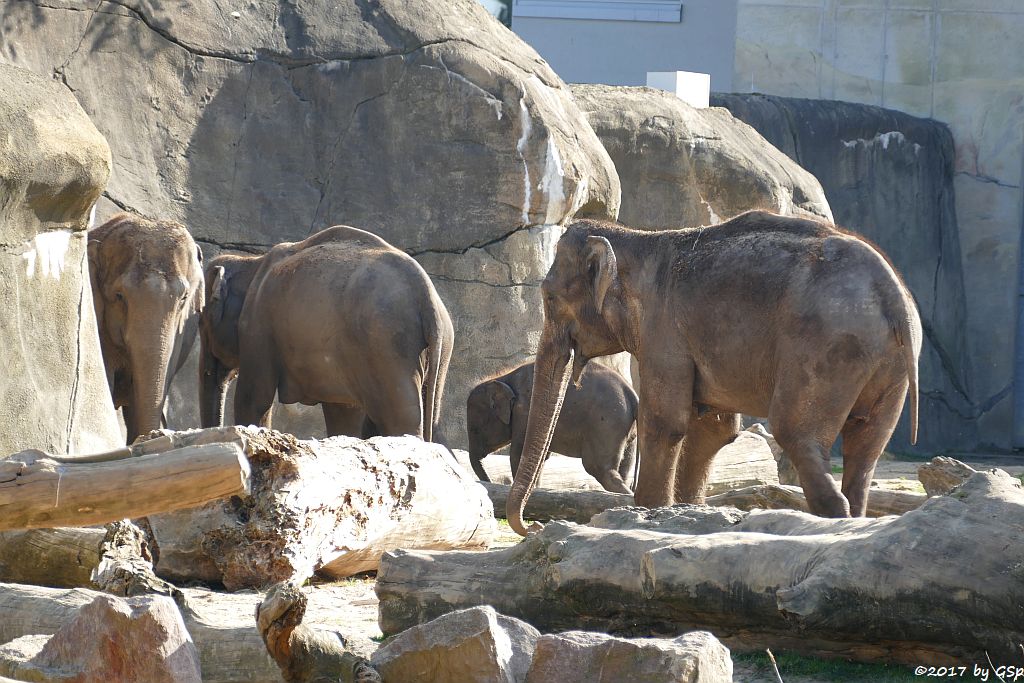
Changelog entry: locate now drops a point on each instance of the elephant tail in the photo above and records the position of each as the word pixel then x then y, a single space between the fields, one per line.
pixel 439 337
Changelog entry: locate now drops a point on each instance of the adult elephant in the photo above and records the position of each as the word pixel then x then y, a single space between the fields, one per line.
pixel 766 315
pixel 147 286
pixel 342 319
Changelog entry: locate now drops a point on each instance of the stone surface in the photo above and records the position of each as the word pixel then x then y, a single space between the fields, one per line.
pixel 957 62
pixel 584 657
pixel 889 177
pixel 428 123
pixel 942 474
pixel 140 640
pixel 475 645
pixel 53 166
pixel 684 167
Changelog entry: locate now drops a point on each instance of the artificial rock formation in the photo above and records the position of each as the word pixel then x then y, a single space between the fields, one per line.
pixel 138 640
pixel 475 645
pixel 331 506
pixel 586 657
pixel 932 586
pixel 53 167
pixel 426 122
pixel 889 177
pixel 684 167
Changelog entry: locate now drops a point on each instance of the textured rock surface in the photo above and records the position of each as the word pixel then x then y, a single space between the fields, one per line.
pixel 942 474
pixel 428 123
pixel 475 645
pixel 683 167
pixel 889 176
pixel 53 166
pixel 141 640
pixel 584 657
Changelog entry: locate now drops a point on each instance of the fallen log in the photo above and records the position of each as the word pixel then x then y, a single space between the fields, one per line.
pixel 938 585
pixel 113 559
pixel 331 507
pixel 579 506
pixel 38 490
pixel 229 653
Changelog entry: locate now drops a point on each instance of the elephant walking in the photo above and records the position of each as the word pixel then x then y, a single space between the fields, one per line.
pixel 766 315
pixel 597 423
pixel 147 287
pixel 342 319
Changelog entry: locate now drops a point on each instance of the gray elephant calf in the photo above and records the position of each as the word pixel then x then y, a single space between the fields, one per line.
pixel 597 423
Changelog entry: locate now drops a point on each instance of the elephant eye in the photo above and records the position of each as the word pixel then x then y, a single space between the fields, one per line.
pixel 119 296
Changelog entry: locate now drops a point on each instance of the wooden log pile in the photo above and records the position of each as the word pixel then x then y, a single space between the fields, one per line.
pixel 940 584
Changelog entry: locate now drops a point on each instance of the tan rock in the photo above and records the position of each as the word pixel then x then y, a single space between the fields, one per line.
pixel 584 657
pixel 138 640
pixel 475 645
pixel 942 474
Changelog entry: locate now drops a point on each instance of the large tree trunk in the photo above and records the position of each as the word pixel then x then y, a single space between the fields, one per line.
pixel 331 506
pixel 39 490
pixel 937 585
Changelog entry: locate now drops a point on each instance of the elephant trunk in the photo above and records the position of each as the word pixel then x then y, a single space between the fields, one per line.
pixel 150 364
pixel 550 381
pixel 212 388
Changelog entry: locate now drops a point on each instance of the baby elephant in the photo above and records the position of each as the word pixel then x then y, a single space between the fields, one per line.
pixel 597 423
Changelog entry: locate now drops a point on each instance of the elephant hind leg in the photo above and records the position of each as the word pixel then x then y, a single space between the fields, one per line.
pixel 397 408
pixel 254 396
pixel 706 435
pixel 865 434
pixel 607 476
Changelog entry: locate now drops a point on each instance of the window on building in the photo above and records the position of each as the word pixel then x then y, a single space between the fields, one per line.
pixel 612 10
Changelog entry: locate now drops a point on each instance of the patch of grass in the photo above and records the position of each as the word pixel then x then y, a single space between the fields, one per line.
pixel 837 469
pixel 378 639
pixel 829 670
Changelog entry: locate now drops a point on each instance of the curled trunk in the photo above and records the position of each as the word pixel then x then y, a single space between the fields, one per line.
pixel 550 381
pixel 213 384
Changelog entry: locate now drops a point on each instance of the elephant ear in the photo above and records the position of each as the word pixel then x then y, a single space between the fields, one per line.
pixel 501 398
pixel 218 293
pixel 602 268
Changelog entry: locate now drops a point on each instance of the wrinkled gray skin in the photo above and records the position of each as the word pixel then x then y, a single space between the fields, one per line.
pixel 597 423
pixel 765 315
pixel 342 319
pixel 147 287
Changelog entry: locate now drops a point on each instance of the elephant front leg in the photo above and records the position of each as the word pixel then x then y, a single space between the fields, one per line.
pixel 254 397
pixel 706 435
pixel 666 394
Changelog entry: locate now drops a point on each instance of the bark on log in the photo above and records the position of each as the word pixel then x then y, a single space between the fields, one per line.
pixel 579 506
pixel 937 585
pixel 228 653
pixel 942 474
pixel 113 559
pixel 331 506
pixel 304 654
pixel 38 490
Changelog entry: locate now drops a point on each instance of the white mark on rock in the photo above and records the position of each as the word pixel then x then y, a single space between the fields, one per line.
pixel 48 251
pixel 92 217
pixel 551 184
pixel 884 138
pixel 526 124
pixel 236 15
pixel 712 216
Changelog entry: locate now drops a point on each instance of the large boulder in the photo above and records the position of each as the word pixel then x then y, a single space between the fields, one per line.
pixel 428 123
pixel 134 640
pixel 683 167
pixel 585 657
pixel 889 176
pixel 475 645
pixel 53 166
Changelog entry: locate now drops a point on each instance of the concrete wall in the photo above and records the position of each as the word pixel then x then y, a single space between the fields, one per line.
pixel 960 62
pixel 622 52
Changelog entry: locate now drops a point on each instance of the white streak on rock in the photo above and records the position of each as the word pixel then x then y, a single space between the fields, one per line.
pixel 48 252
pixel 552 183
pixel 92 218
pixel 884 138
pixel 526 124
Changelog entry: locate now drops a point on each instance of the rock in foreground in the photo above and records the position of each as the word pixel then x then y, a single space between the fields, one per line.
pixel 584 657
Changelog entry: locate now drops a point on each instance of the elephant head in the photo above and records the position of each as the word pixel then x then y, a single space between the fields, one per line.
pixel 488 420
pixel 147 283
pixel 584 317
pixel 227 281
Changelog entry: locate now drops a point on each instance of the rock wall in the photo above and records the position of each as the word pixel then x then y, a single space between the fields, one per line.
pixel 889 176
pixel 684 167
pixel 428 123
pixel 53 166
pixel 959 62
